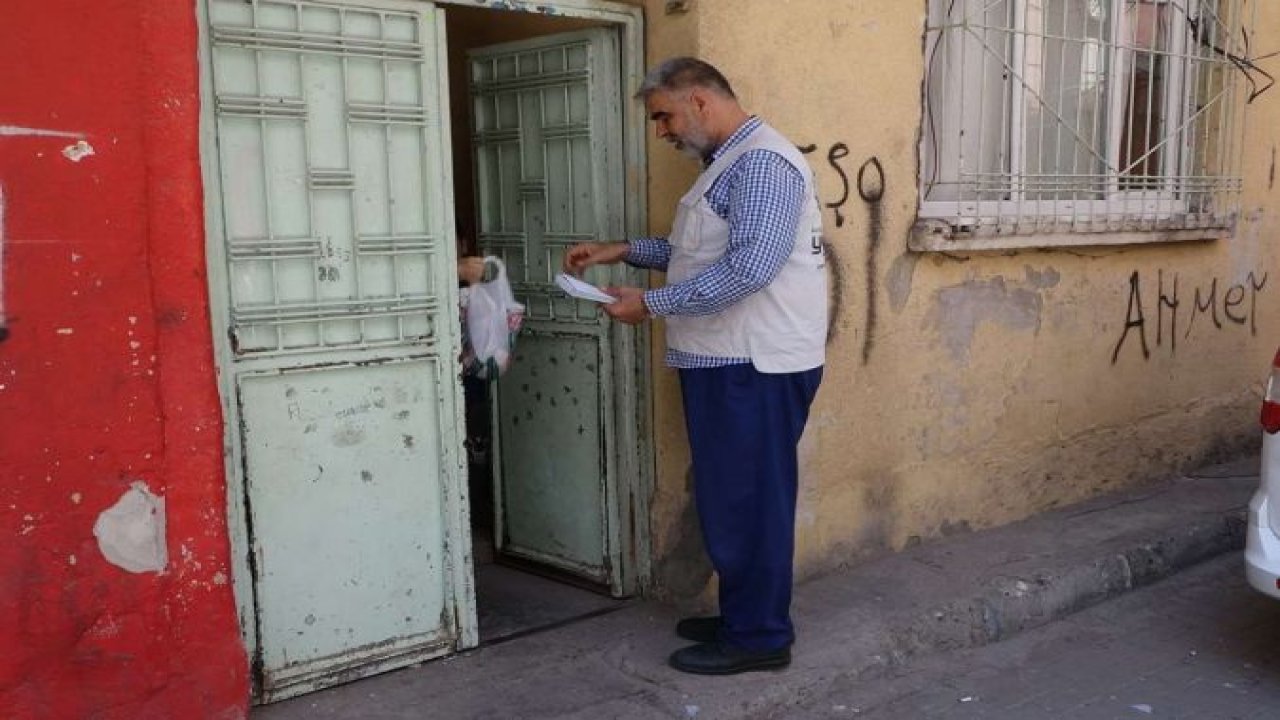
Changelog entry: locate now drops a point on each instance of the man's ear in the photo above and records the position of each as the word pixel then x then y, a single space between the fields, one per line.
pixel 699 98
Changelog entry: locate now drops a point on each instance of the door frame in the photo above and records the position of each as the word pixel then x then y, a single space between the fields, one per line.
pixel 630 347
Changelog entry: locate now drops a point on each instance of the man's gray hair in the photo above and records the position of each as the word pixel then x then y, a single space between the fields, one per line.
pixel 682 73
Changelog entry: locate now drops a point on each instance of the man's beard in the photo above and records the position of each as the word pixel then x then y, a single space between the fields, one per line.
pixel 696 143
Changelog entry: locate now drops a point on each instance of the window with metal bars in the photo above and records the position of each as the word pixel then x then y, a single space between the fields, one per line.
pixel 1051 122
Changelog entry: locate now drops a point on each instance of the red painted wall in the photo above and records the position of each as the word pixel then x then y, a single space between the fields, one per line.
pixel 106 376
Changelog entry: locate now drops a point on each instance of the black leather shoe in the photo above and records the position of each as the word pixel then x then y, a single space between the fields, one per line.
pixel 699 629
pixel 721 659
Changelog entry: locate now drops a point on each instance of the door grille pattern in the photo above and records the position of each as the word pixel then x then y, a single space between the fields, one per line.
pixel 535 165
pixel 331 234
pixel 545 162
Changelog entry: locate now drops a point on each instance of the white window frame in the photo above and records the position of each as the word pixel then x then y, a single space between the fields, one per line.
pixel 1163 213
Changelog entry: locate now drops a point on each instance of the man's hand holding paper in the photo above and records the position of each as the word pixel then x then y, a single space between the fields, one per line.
pixel 582 289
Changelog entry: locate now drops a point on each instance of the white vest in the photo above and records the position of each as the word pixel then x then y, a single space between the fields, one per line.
pixel 783 327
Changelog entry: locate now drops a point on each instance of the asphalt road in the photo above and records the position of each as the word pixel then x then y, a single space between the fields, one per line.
pixel 1201 645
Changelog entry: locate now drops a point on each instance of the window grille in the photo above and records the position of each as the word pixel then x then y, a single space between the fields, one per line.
pixel 1066 118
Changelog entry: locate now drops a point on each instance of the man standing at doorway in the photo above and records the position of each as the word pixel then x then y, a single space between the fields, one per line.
pixel 746 313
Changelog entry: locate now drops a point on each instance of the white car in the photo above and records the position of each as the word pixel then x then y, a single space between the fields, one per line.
pixel 1262 544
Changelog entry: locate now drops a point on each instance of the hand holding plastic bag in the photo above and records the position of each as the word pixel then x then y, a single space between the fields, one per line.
pixel 492 322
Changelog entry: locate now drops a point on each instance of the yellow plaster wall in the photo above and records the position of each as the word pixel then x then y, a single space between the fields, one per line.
pixel 989 392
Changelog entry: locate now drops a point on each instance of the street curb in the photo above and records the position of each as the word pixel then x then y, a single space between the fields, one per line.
pixel 1012 579
pixel 1007 606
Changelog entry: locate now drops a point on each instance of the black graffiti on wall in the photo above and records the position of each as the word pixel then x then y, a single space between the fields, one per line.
pixel 835 153
pixel 835 291
pixel 1217 305
pixel 871 189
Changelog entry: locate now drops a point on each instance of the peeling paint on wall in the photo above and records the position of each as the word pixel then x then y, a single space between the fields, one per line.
pixel 78 152
pixel 131 532
pixel 960 309
pixel 898 282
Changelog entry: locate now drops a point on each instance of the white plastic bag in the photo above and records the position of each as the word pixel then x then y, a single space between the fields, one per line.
pixel 493 319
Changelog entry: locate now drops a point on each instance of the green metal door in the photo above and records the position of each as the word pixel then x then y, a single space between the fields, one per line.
pixel 546 118
pixel 331 257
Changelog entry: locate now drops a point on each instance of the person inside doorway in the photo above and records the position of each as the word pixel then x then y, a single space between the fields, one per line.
pixel 475 393
pixel 746 314
pixel 470 270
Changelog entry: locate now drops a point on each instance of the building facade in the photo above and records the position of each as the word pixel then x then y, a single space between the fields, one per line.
pixel 240 465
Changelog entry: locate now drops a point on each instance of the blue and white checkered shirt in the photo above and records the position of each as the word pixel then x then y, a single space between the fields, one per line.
pixel 760 196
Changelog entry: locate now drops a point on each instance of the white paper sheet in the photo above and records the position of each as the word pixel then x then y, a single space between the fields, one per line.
pixel 584 290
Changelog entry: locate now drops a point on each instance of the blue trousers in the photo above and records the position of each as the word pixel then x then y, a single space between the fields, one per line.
pixel 743 429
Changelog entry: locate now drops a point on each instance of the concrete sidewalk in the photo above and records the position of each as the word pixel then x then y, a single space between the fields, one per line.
pixel 958 592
